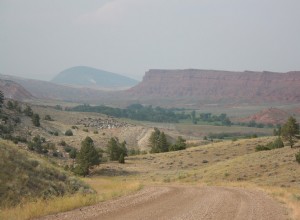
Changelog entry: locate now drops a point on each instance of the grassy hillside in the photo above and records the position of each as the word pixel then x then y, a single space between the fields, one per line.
pixel 26 177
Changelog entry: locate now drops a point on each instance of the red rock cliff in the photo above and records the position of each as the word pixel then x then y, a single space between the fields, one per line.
pixel 211 85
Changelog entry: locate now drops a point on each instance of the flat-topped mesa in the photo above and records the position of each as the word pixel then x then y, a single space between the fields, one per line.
pixel 215 85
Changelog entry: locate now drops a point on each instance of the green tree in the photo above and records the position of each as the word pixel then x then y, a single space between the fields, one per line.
pixel 154 141
pixel 87 157
pixel 1 99
pixel 115 149
pixel 297 155
pixel 289 131
pixel 163 143
pixel 73 153
pixel 36 120
pixel 158 142
pixel 193 117
pixel 179 145
pixel 10 104
pixel 28 111
pixel 122 158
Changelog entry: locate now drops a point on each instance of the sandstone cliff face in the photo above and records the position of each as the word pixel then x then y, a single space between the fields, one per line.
pixel 211 85
pixel 13 90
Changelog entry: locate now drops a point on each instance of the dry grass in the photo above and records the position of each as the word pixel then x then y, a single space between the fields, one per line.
pixel 111 187
pixel 39 208
pixel 106 188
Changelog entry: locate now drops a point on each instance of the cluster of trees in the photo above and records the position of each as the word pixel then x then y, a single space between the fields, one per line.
pixel 209 117
pixel 159 143
pixel 222 119
pixel 254 124
pixel 135 112
pixel 89 156
pixel 116 151
pixel 229 136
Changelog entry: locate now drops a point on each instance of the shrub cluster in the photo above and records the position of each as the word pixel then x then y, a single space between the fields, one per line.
pixel 297 155
pixel 69 132
pixel 272 145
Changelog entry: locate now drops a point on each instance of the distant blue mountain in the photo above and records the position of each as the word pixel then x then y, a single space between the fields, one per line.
pixel 91 77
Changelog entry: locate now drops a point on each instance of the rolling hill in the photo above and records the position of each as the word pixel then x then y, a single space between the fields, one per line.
pixel 90 77
pixel 13 90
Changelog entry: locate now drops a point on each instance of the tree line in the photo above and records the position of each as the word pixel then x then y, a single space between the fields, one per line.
pixel 136 112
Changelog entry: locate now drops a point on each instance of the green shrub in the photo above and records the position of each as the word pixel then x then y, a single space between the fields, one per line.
pixel 48 118
pixel 272 145
pixel 69 132
pixel 85 130
pixel 73 153
pixel 278 143
pixel 37 145
pixel 262 148
pixel 297 155
pixel 36 120
pixel 67 148
pixel 121 158
pixel 62 143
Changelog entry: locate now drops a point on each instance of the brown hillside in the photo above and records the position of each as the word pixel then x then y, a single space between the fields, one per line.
pixel 219 86
pixel 14 90
pixel 268 116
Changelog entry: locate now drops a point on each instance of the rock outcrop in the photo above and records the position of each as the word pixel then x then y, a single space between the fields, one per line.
pixel 219 86
pixel 103 123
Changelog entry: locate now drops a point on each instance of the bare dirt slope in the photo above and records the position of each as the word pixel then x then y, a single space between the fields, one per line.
pixel 178 202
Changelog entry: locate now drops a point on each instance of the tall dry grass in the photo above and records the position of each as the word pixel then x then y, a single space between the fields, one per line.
pixel 106 188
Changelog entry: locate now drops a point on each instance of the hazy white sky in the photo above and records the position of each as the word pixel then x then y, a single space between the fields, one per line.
pixel 40 38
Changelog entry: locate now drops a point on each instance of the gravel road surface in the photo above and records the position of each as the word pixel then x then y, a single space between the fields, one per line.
pixel 183 202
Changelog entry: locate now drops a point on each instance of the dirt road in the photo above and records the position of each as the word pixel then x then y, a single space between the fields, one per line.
pixel 187 203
